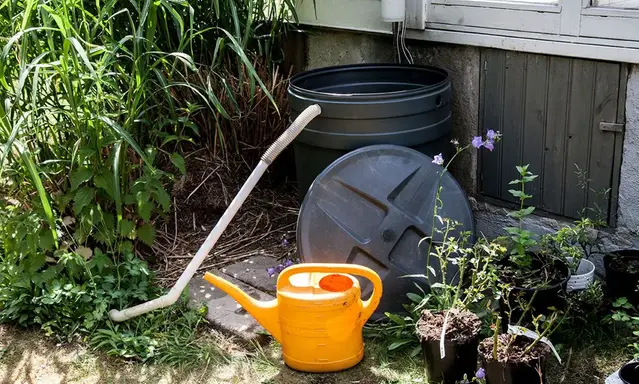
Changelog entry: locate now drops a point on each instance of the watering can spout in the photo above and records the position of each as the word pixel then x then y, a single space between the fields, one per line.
pixel 265 312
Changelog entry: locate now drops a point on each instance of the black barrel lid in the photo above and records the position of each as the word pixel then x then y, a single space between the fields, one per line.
pixel 372 207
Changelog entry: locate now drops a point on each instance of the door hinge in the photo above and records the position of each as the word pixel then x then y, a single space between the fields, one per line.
pixel 611 127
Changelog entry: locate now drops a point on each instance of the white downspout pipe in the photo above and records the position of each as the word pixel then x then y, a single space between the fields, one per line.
pixel 274 150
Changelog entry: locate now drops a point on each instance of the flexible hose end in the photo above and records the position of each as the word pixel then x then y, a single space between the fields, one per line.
pixel 117 316
pixel 291 133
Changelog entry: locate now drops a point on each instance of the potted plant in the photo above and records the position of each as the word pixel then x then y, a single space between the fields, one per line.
pixel 460 279
pixel 622 274
pixel 575 245
pixel 519 356
pixel 530 273
pixel 448 328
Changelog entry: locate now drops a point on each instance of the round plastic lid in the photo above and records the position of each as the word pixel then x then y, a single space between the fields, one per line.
pixel 372 207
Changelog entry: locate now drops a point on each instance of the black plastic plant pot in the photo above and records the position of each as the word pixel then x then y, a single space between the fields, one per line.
pixel 629 373
pixel 460 360
pixel 622 274
pixel 533 372
pixel 550 296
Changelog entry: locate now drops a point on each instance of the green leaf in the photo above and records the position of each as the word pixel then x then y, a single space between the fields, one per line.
pixel 105 182
pixel 178 161
pixel 126 227
pixel 516 193
pixel 80 176
pixel 522 169
pixel 398 344
pixel 530 178
pixel 163 199
pixel 517 181
pixel 146 233
pixel 395 319
pixel 145 209
pixel 528 211
pixel 82 198
pixel 125 136
pixel 414 297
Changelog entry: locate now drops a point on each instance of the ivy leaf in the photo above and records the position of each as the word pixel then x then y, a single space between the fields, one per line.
pixel 126 228
pixel 80 176
pixel 82 198
pixel 146 233
pixel 178 161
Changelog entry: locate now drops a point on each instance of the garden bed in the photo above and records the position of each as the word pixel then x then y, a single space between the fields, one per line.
pixel 264 225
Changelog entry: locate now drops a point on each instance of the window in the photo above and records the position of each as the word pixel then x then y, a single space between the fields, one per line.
pixel 592 29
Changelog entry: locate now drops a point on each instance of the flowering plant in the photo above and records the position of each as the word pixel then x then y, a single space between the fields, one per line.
pixel 480 378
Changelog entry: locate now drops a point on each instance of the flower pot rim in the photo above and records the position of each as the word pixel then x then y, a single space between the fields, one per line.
pixel 562 283
pixel 625 366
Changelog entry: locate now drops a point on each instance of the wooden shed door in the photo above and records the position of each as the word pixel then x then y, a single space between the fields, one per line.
pixel 562 116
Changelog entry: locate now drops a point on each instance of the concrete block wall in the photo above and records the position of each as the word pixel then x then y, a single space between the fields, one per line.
pixel 326 48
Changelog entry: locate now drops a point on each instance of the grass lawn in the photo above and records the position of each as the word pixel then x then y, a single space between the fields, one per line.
pixel 27 357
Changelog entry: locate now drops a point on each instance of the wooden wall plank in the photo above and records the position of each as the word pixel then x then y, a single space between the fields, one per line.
pixel 492 103
pixel 549 109
pixel 515 87
pixel 579 129
pixel 534 126
pixel 606 90
pixel 555 140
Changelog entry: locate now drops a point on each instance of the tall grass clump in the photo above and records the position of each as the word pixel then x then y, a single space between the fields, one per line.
pixel 90 105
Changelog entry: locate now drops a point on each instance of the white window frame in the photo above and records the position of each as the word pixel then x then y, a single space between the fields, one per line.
pixel 567 28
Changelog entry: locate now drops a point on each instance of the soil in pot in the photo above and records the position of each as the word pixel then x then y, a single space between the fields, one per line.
pixel 460 345
pixel 513 365
pixel 622 274
pixel 629 373
pixel 548 278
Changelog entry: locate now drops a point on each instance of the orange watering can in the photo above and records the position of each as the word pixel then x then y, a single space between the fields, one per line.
pixel 317 316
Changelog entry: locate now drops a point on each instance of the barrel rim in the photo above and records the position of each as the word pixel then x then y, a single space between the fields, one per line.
pixel 295 88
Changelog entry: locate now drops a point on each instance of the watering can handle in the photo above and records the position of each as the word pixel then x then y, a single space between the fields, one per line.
pixel 368 306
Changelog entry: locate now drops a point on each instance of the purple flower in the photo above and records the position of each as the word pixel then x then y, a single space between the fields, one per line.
pixel 285 243
pixel 491 135
pixel 288 263
pixel 489 145
pixel 439 160
pixel 480 374
pixel 478 142
pixel 270 271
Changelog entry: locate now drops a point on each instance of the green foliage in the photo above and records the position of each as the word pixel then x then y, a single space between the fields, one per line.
pixel 69 294
pixel 522 239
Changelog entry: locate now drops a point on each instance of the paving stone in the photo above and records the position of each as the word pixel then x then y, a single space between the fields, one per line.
pixel 224 312
pixel 252 271
pixel 614 379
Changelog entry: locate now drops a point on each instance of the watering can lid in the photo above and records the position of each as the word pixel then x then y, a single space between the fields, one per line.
pixel 320 288
pixel 372 207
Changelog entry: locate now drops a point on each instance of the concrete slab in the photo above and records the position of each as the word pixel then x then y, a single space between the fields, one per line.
pixel 225 313
pixel 252 271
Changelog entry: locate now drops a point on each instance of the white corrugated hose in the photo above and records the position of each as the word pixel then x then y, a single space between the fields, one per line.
pixel 274 150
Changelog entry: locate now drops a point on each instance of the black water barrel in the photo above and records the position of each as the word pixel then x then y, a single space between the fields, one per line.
pixel 369 104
